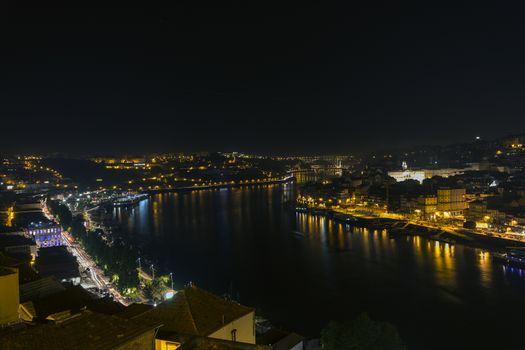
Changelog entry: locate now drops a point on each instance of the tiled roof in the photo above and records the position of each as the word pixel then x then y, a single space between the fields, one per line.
pixel 134 310
pixel 73 299
pixel 12 240
pixel 40 288
pixel 194 311
pixel 88 331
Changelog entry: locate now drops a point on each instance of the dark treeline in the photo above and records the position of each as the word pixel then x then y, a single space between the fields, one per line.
pixel 361 333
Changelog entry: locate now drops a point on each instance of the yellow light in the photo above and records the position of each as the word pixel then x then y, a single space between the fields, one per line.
pixel 10 217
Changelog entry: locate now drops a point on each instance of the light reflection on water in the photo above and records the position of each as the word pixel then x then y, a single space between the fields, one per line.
pixel 302 270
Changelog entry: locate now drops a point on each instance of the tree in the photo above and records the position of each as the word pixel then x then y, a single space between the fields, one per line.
pixel 61 212
pixel 362 333
pixel 158 288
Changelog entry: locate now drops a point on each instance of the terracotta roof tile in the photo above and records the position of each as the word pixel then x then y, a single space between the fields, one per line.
pixel 195 311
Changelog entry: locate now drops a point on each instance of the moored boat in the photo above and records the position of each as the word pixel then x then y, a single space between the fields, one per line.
pixel 512 257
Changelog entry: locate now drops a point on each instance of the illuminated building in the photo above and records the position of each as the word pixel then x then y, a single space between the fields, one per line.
pixel 451 201
pixel 479 213
pixel 45 233
pixel 422 174
pixel 427 206
pixel 399 176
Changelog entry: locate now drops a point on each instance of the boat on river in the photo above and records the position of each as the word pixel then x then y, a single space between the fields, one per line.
pixel 349 219
pixel 129 200
pixel 512 257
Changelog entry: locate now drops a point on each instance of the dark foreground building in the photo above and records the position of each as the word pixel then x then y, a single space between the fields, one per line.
pixel 86 331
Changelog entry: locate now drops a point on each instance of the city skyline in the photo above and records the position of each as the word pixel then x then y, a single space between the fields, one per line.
pixel 262 176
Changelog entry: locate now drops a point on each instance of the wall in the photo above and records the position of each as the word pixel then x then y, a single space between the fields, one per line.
pixel 166 345
pixel 9 295
pixel 145 341
pixel 245 329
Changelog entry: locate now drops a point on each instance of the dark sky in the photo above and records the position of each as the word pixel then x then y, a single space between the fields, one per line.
pixel 260 77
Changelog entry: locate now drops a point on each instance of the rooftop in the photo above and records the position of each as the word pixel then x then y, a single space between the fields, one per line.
pixel 40 288
pixel 87 331
pixel 11 240
pixel 4 271
pixel 194 311
pixel 74 300
pixel 57 261
pixel 41 224
pixel 202 343
pixel 25 219
pixel 279 339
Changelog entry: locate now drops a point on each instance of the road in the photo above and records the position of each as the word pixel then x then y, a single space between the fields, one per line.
pixel 86 262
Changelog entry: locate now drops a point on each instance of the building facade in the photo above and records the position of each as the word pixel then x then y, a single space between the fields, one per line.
pixel 9 295
pixel 451 202
pixel 45 233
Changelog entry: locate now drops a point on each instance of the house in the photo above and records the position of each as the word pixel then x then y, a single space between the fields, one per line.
pixel 194 312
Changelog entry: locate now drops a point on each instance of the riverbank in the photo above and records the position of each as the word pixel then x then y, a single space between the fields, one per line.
pixel 400 227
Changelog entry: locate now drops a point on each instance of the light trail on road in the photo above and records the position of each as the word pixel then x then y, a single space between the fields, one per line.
pixel 86 262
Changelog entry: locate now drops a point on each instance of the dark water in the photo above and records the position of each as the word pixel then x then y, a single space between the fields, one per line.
pixel 301 271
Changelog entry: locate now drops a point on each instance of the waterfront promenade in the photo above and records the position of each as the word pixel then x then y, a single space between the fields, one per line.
pixel 465 235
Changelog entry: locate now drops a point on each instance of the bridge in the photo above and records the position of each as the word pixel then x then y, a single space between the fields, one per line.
pixel 224 184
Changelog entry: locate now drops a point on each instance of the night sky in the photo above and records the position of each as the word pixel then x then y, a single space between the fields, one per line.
pixel 265 78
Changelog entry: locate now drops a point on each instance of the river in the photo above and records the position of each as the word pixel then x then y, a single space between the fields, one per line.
pixel 301 271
